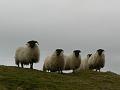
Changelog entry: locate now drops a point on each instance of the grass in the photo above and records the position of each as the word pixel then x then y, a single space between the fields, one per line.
pixel 13 78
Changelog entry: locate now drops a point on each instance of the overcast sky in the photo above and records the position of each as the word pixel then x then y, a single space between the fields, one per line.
pixel 69 24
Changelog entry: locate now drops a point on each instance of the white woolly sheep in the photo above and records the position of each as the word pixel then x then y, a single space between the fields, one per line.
pixel 54 62
pixel 97 60
pixel 84 63
pixel 28 54
pixel 72 61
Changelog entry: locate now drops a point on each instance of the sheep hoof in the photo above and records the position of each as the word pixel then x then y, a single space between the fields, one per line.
pixel 31 67
pixel 61 72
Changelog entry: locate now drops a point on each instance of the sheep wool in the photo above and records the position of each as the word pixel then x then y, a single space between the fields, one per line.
pixel 47 64
pixel 28 54
pixel 54 62
pixel 72 61
pixel 97 60
pixel 84 64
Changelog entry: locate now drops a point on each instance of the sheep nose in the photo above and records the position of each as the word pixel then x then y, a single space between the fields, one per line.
pixel 58 54
pixel 76 54
pixel 99 53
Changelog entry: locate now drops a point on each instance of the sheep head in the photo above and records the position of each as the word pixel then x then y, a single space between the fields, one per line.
pixel 32 43
pixel 76 52
pixel 89 55
pixel 100 51
pixel 58 51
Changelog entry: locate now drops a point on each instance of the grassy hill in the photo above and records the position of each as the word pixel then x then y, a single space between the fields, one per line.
pixel 13 78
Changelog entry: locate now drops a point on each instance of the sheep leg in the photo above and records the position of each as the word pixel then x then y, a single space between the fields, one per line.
pixel 73 71
pixel 18 64
pixel 58 72
pixel 99 69
pixel 22 65
pixel 58 69
pixel 31 65
pixel 61 71
pixel 44 69
pixel 47 70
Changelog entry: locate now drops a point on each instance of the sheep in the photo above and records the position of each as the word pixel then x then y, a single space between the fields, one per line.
pixel 97 60
pixel 84 64
pixel 72 61
pixel 28 54
pixel 46 65
pixel 54 62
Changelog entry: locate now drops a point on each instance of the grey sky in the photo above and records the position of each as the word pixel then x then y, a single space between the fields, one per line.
pixel 68 24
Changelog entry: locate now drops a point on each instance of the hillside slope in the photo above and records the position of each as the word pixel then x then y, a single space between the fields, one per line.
pixel 13 78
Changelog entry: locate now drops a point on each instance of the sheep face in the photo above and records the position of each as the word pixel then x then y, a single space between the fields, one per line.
pixel 76 52
pixel 89 55
pixel 58 51
pixel 32 43
pixel 100 51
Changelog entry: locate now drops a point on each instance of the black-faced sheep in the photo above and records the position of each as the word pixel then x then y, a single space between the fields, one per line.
pixel 54 62
pixel 84 64
pixel 97 60
pixel 73 61
pixel 28 54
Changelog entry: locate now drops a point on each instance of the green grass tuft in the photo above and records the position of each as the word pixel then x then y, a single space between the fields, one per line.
pixel 13 78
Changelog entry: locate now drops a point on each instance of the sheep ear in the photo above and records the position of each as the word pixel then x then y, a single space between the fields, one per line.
pixel 63 51
pixel 79 51
pixel 26 44
pixel 103 50
pixel 37 42
pixel 89 55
